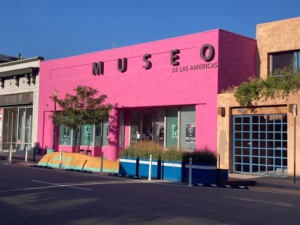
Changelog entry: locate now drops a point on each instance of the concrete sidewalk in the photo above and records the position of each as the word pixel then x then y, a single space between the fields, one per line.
pixel 19 156
pixel 265 181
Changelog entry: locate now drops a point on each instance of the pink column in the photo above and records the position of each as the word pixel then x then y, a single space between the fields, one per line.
pixel 113 136
pixel 47 131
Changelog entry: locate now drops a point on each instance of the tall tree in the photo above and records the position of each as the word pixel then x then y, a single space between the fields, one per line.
pixel 79 109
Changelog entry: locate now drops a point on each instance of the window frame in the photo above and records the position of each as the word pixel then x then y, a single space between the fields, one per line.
pixel 295 60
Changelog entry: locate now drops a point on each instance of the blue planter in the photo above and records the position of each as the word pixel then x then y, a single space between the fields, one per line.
pixel 201 173
pixel 144 168
pixel 172 171
pixel 129 166
pixel 222 175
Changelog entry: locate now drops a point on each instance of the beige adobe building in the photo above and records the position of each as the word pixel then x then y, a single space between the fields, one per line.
pixel 19 92
pixel 266 139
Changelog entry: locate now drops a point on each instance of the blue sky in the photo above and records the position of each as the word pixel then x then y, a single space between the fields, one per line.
pixel 60 28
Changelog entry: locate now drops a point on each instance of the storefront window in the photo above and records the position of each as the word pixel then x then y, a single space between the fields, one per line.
pixel 141 126
pixel 98 134
pixel 75 134
pixel 172 127
pixel 159 126
pixel 87 135
pixel 64 135
pixel 162 126
pixel 16 128
pixel 135 130
pixel 105 133
pixel 147 126
pixel 24 128
pixel 101 133
pixel 187 127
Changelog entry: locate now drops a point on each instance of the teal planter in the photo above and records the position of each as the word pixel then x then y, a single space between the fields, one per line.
pixel 49 150
pixel 144 168
pixel 129 166
pixel 201 173
pixel 172 171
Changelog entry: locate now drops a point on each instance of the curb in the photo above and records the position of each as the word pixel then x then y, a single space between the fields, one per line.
pixel 17 160
pixel 235 186
pixel 283 187
pixel 125 176
pixel 64 169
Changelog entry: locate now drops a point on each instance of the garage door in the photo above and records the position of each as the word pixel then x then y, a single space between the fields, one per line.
pixel 260 144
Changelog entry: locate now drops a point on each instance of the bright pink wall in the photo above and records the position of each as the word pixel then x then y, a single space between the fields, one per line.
pixel 238 54
pixel 137 87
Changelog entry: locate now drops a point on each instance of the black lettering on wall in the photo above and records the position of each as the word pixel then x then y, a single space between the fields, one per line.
pixel 98 68
pixel 207 56
pixel 148 63
pixel 174 57
pixel 122 65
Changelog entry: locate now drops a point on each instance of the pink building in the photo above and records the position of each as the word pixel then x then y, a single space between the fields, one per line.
pixel 164 91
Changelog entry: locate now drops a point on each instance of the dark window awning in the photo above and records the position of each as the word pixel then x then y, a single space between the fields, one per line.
pixel 19 72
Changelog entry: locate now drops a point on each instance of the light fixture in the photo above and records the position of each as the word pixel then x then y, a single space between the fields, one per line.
pixel 221 111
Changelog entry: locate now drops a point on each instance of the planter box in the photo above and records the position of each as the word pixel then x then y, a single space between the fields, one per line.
pixel 144 168
pixel 49 150
pixel 201 173
pixel 129 166
pixel 172 171
pixel 222 175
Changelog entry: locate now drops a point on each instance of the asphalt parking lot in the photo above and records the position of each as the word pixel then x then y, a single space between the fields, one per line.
pixel 32 195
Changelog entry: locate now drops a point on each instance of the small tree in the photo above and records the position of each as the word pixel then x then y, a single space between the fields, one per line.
pixel 79 109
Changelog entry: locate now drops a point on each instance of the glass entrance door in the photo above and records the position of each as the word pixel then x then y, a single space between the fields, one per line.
pixel 9 131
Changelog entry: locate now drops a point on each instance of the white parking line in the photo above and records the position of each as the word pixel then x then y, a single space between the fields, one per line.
pixel 25 189
pixel 61 185
pixel 89 183
pixel 282 204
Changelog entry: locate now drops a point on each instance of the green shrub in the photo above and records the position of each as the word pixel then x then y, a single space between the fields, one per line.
pixel 124 153
pixel 203 156
pixel 279 85
pixel 173 154
pixel 128 153
pixel 143 150
pixel 156 153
